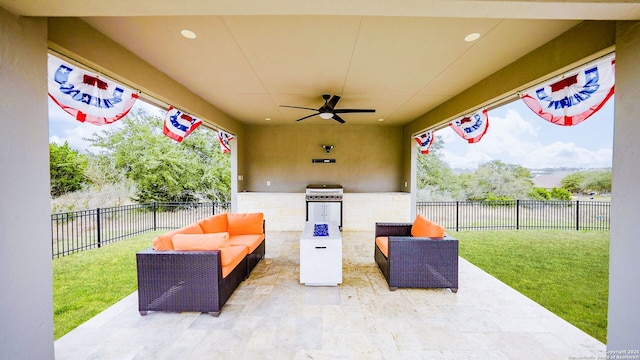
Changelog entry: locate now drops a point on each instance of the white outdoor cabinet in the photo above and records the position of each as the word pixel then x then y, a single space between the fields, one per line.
pixel 321 256
pixel 330 211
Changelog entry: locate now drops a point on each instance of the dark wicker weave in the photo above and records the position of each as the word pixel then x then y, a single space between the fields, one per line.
pixel 179 281
pixel 417 262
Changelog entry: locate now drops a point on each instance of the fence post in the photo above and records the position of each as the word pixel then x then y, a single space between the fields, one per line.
pixel 517 214
pixel 155 209
pixel 577 215
pixel 213 208
pixel 457 215
pixel 98 225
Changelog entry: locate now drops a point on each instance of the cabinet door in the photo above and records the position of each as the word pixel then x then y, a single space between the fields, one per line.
pixel 316 212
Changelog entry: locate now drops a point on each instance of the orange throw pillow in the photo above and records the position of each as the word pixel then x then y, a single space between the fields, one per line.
pixel 245 224
pixel 214 224
pixel 423 227
pixel 200 241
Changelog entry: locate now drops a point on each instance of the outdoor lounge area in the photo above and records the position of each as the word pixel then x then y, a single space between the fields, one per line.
pixel 400 70
pixel 272 316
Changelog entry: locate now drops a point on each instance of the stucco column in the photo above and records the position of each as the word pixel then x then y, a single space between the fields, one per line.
pixel 26 305
pixel 624 263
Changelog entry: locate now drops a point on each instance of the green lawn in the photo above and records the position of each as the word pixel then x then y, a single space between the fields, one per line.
pixel 88 282
pixel 567 272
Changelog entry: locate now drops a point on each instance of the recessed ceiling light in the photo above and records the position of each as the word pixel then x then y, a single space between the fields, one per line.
pixel 472 37
pixel 188 34
pixel 381 119
pixel 267 119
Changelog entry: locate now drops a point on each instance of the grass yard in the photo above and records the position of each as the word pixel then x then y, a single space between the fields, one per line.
pixel 88 282
pixel 567 272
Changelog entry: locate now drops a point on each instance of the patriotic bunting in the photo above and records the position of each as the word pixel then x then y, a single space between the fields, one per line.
pixel 86 96
pixel 178 125
pixel 472 128
pixel 572 99
pixel 224 141
pixel 425 140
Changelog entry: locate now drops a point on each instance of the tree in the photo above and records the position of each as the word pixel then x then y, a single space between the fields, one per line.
pixel 163 170
pixel 560 194
pixel 597 181
pixel 573 182
pixel 499 180
pixel 66 167
pixel 587 181
pixel 434 176
pixel 539 193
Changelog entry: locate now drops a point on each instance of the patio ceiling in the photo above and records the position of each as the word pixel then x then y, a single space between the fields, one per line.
pixel 401 58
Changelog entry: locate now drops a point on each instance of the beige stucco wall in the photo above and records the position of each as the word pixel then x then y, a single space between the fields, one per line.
pixel 368 158
pixel 26 304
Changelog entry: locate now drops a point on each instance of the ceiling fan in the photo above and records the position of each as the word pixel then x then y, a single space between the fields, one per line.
pixel 328 110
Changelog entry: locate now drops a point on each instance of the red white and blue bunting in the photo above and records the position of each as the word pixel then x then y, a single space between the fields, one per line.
pixel 224 138
pixel 178 125
pixel 86 96
pixel 472 128
pixel 571 99
pixel 425 140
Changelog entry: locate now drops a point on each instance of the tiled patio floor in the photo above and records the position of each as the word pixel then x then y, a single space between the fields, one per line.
pixel 272 316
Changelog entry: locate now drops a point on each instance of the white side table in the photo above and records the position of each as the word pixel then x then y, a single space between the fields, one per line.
pixel 321 256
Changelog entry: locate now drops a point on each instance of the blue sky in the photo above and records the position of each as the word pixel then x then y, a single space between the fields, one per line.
pixel 516 136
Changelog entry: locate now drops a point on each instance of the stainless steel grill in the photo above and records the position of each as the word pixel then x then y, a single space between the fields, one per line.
pixel 324 193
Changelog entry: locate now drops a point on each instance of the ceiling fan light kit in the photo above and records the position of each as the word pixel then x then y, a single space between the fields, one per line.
pixel 328 110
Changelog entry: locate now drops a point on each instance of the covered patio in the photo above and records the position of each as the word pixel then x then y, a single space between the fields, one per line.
pixel 272 316
pixel 407 59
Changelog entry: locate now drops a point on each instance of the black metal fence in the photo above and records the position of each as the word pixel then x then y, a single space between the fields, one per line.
pixel 87 229
pixel 518 214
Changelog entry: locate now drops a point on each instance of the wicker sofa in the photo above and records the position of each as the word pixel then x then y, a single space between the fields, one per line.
pixel 198 267
pixel 416 262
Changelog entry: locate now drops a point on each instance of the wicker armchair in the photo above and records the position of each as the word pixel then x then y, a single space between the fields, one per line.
pixel 417 262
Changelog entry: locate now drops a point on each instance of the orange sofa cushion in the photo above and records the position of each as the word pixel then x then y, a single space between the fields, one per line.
pixel 200 241
pixel 251 242
pixel 164 241
pixel 423 227
pixel 383 244
pixel 214 223
pixel 230 257
pixel 244 224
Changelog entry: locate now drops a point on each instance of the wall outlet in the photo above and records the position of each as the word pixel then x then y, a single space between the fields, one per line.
pixel 268 183
pixel 240 177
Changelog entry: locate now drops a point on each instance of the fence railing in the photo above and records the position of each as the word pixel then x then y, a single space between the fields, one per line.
pixel 518 214
pixel 87 229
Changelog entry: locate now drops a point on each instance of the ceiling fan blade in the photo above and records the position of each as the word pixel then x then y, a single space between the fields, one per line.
pixel 338 118
pixel 298 107
pixel 333 102
pixel 308 116
pixel 344 111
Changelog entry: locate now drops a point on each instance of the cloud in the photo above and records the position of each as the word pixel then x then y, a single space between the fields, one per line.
pixel 515 140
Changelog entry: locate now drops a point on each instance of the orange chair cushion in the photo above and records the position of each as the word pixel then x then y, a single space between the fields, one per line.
pixel 251 242
pixel 200 241
pixel 245 224
pixel 214 224
pixel 164 241
pixel 230 257
pixel 383 244
pixel 423 227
